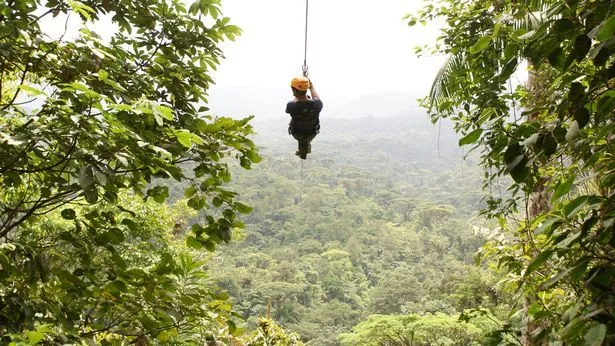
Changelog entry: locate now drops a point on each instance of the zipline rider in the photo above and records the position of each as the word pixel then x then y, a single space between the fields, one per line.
pixel 304 111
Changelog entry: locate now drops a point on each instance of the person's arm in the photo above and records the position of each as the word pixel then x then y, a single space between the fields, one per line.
pixel 313 91
pixel 289 107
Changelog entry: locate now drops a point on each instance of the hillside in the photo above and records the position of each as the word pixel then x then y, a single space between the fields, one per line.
pixel 378 224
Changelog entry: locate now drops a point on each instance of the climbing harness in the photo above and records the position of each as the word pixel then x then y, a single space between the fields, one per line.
pixel 305 66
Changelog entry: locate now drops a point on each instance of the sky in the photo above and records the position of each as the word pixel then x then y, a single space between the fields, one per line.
pixel 355 48
pixel 360 56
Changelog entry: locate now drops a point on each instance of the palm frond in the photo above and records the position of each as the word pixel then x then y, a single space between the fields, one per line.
pixel 443 85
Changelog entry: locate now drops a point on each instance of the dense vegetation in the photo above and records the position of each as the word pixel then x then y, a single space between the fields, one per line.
pixel 385 233
pixel 116 190
pixel 89 129
pixel 553 135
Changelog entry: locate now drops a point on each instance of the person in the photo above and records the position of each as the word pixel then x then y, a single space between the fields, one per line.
pixel 304 111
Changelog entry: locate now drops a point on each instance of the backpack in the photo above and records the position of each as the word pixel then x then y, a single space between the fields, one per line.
pixel 304 117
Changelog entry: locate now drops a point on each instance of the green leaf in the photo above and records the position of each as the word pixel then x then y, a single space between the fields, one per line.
pixel 518 168
pixel 602 56
pixel 254 157
pixel 68 214
pixel 115 287
pixel 509 69
pixel 538 262
pixel 217 202
pixel 575 205
pixel 582 45
pixel 130 224
pixel 242 208
pixel 563 188
pixel 511 51
pixel 91 195
pixel 31 90
pixel 582 117
pixel 194 243
pixel 607 29
pixel 115 236
pixel 102 75
pixel 197 203
pixel 480 45
pixel 595 335
pixel 563 25
pixel 34 337
pixel 167 335
pixel 554 280
pixel 165 112
pixel 159 193
pixel 184 137
pixel 190 191
pixel 548 144
pixel 471 137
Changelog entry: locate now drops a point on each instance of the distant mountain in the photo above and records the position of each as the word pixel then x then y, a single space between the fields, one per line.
pixel 267 103
pixel 378 105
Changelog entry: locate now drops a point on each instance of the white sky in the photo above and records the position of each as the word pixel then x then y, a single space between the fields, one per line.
pixel 355 47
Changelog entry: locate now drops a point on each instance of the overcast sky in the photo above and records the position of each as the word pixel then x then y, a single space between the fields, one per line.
pixel 355 47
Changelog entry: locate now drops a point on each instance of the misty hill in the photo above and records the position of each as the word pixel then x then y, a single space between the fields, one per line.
pixel 268 103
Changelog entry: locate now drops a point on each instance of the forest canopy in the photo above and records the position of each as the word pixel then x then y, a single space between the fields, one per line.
pixel 119 221
pixel 89 130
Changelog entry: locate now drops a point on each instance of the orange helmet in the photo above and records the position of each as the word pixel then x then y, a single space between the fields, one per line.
pixel 300 83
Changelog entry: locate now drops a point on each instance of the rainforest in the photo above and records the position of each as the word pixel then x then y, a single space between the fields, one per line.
pixel 474 207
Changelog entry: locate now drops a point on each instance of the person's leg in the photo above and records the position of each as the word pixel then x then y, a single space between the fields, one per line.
pixel 305 145
pixel 309 144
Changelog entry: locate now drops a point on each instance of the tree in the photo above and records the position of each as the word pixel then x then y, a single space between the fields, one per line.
pixel 413 330
pixel 558 152
pixel 69 277
pixel 84 122
pixel 114 115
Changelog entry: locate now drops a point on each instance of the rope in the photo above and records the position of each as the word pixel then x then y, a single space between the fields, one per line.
pixel 305 66
pixel 301 182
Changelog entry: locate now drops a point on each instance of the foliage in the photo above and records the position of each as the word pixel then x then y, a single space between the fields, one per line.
pixel 84 122
pixel 558 151
pixel 402 330
pixel 91 117
pixel 271 334
pixel 125 279
pixel 384 234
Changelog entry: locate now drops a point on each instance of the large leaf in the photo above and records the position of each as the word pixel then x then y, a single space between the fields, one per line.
pixel 471 137
pixel 480 45
pixel 607 29
pixel 595 335
pixel 538 262
pixel 563 188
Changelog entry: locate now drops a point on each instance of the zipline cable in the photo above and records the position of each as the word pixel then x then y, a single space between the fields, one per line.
pixel 305 66
pixel 301 191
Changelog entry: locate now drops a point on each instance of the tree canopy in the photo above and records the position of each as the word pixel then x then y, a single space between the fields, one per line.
pixel 87 124
pixel 553 135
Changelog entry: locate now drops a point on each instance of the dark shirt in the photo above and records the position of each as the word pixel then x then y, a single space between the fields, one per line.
pixel 304 116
